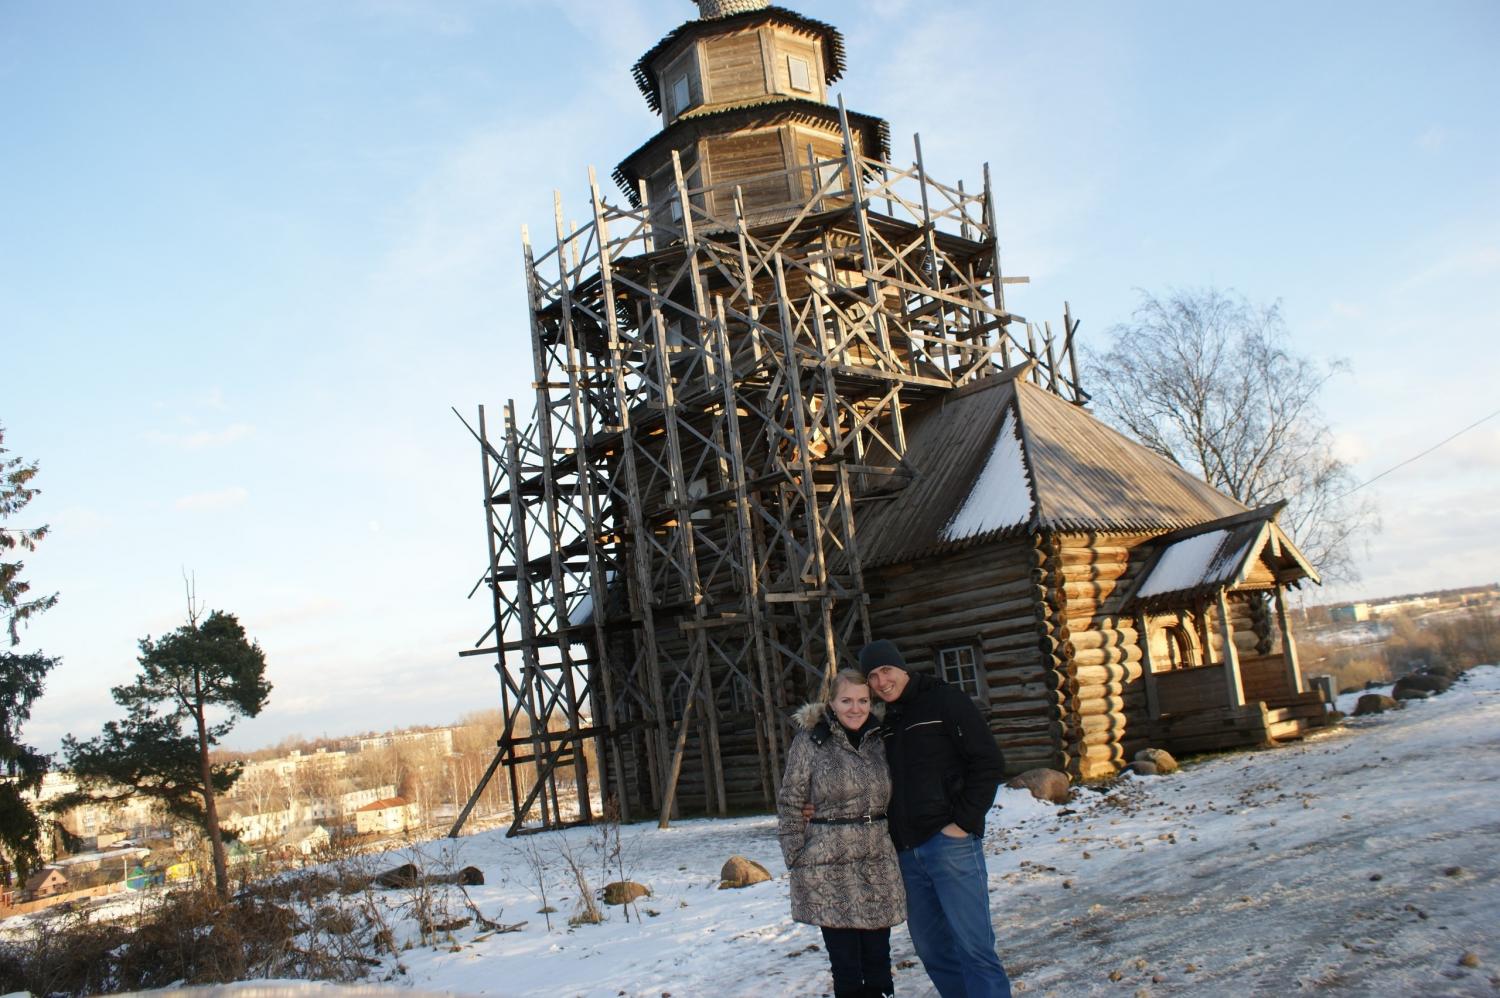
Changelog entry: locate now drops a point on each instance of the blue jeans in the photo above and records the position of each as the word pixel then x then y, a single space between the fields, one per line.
pixel 948 913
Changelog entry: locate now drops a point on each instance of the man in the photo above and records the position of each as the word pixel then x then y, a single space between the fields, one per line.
pixel 945 769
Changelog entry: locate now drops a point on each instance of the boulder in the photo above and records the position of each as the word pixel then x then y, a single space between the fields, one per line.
pixel 1044 784
pixel 741 872
pixel 624 892
pixel 1142 767
pixel 1160 758
pixel 405 875
pixel 1407 693
pixel 1374 703
pixel 1425 682
pixel 1445 669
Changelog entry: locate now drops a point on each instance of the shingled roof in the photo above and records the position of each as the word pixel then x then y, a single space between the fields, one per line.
pixel 754 112
pixel 1003 456
pixel 833 60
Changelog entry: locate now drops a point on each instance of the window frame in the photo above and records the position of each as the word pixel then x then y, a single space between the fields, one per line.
pixel 975 651
pixel 684 83
pixel 794 61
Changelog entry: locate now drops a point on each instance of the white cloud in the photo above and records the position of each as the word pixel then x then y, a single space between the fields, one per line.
pixel 1432 139
pixel 1350 447
pixel 222 499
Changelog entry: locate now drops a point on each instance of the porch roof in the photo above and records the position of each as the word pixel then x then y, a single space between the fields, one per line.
pixel 1202 560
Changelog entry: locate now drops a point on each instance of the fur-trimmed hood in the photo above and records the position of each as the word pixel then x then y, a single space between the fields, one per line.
pixel 808 715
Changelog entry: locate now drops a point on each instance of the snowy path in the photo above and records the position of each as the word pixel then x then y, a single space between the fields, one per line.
pixel 1360 862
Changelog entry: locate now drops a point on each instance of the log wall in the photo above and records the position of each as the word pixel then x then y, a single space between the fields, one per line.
pixel 989 598
pixel 1184 691
pixel 1264 677
pixel 1106 707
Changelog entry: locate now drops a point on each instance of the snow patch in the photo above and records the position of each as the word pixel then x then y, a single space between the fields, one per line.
pixel 1186 563
pixel 1001 495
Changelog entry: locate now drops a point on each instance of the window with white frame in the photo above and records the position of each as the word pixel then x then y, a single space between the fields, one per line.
pixel 800 73
pixel 829 176
pixel 960 666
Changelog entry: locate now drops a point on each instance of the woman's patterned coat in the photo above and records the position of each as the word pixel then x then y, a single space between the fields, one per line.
pixel 843 876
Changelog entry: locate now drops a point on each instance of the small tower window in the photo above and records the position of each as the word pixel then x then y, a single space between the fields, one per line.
pixel 682 94
pixel 800 72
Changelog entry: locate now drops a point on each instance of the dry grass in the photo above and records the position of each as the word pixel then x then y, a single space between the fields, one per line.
pixel 1458 640
pixel 282 929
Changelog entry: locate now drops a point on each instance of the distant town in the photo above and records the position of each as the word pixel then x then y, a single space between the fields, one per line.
pixel 295 803
pixel 1371 641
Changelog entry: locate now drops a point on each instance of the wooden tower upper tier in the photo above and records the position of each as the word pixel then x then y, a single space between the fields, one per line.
pixel 743 95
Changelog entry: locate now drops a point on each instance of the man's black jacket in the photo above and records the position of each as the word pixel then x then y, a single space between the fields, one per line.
pixel 945 764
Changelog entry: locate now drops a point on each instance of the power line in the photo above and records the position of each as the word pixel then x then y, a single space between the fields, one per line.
pixel 1429 450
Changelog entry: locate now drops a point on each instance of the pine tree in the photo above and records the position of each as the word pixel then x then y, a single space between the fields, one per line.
pixel 203 670
pixel 21 677
pixel 15 493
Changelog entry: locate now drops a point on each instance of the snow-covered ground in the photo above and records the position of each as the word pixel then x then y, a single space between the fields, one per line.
pixel 1360 862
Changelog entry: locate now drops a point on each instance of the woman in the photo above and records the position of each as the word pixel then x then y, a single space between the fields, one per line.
pixel 845 877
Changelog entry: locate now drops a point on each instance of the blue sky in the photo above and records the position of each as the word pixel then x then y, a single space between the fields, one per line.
pixel 253 252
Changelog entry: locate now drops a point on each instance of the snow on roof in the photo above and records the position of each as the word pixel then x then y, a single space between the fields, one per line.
pixel 1192 562
pixel 1001 495
pixel 383 804
pixel 101 857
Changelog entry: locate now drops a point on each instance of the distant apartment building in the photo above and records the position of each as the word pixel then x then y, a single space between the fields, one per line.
pixel 265 826
pixel 96 826
pixel 393 814
pixel 296 763
pixel 1405 605
pixel 258 826
pixel 1349 613
pixel 340 807
pixel 305 840
pixel 439 739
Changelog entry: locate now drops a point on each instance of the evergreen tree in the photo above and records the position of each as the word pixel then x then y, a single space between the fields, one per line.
pixel 15 493
pixel 21 677
pixel 194 685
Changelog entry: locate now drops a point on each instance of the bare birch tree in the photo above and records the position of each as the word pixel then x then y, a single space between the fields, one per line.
pixel 1208 380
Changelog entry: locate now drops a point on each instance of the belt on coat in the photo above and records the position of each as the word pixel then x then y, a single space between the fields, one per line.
pixel 862 819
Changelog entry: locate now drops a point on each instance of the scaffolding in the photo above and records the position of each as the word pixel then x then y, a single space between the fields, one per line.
pixel 718 390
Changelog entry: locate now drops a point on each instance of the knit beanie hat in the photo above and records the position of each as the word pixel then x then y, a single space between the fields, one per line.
pixel 878 653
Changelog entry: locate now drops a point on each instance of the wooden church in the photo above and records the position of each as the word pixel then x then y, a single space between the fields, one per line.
pixel 783 409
